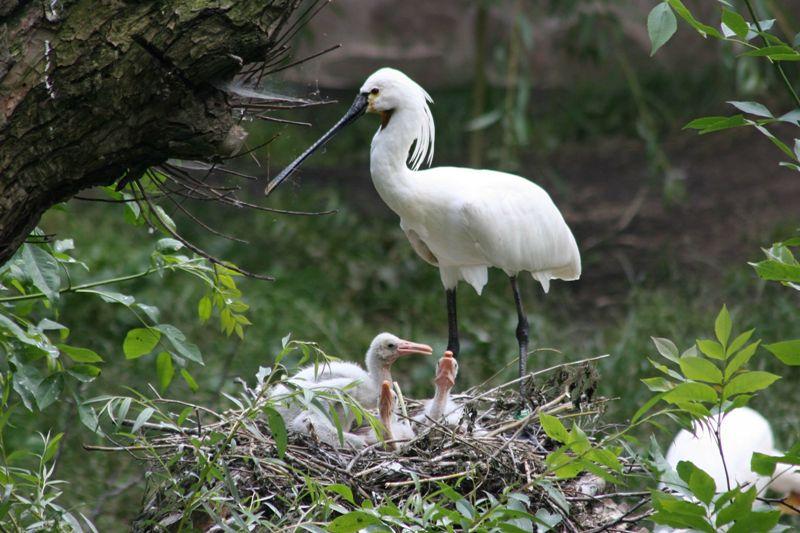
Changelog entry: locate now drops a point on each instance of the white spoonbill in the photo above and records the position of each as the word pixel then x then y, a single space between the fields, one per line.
pixel 362 385
pixel 461 220
pixel 743 432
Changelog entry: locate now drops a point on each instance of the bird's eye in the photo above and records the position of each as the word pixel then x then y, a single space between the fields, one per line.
pixel 374 91
pixel 391 346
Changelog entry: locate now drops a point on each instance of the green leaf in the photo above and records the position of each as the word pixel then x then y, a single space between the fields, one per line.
pixel 204 308
pixel 741 506
pixel 278 429
pixel 164 369
pixel 749 382
pixel 122 410
pixel 139 342
pixel 702 485
pixel 84 373
pixel 756 522
pixel 676 512
pixel 666 348
pixel 553 428
pixel 707 125
pixel 685 14
pixel 112 297
pixel 722 326
pixel 772 270
pixel 739 341
pixel 352 522
pixel 657 384
pixel 763 464
pixel 787 351
pixel 691 392
pixel 168 244
pixel 712 349
pixel 187 377
pixel 80 355
pixel 52 448
pixel 49 390
pixel 779 52
pixel 342 490
pixel 700 369
pixel 661 25
pixel 43 270
pixel 646 407
pixel 735 22
pixel 178 339
pixel 143 417
pixel 89 418
pixel 741 358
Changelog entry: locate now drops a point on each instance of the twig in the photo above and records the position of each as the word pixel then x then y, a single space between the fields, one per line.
pixel 426 480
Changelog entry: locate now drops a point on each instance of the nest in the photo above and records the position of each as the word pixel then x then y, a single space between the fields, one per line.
pixel 497 448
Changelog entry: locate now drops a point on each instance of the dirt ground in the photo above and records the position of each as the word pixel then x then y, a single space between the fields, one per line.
pixel 736 195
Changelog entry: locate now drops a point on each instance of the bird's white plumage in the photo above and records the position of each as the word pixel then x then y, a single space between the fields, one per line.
pixel 743 432
pixel 463 220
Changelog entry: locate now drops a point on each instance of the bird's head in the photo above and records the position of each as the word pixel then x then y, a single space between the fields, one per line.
pixel 446 371
pixel 386 348
pixel 386 92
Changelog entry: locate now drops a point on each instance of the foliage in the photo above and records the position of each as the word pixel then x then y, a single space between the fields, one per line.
pixel 780 264
pixel 41 366
pixel 30 494
pixel 735 29
pixel 701 385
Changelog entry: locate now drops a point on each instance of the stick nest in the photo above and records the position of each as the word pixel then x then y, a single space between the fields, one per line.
pixel 498 448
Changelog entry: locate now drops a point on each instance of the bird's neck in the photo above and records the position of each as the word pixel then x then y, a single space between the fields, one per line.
pixel 389 153
pixel 378 372
pixel 438 403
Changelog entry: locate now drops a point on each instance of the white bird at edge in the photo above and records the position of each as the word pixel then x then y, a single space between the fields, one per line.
pixel 363 385
pixel 743 432
pixel 460 220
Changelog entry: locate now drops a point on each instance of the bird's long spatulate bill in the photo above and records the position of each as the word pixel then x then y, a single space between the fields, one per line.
pixel 355 111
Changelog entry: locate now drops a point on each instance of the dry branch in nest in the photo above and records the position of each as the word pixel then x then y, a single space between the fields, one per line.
pixel 249 471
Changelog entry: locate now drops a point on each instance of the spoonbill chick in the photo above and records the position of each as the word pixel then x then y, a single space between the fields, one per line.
pixel 394 430
pixel 362 385
pixel 461 220
pixel 441 408
pixel 743 432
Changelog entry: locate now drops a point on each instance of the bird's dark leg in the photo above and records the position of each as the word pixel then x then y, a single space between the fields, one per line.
pixel 452 322
pixel 522 330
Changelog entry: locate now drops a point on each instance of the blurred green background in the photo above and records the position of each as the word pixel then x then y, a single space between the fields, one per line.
pixel 568 97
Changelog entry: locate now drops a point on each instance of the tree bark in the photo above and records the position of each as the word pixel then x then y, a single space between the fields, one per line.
pixel 93 89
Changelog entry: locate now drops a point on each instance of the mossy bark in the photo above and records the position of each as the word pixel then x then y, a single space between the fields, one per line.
pixel 92 89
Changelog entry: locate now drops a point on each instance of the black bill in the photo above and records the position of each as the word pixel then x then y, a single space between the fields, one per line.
pixel 355 111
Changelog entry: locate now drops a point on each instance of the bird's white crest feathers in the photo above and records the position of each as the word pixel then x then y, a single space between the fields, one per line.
pixel 422 151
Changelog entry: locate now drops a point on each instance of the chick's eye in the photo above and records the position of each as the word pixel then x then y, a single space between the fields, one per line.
pixel 391 346
pixel 374 91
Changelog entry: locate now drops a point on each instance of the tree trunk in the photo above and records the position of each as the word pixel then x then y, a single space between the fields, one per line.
pixel 93 89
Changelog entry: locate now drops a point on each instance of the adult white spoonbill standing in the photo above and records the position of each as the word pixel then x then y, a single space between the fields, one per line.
pixel 461 220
